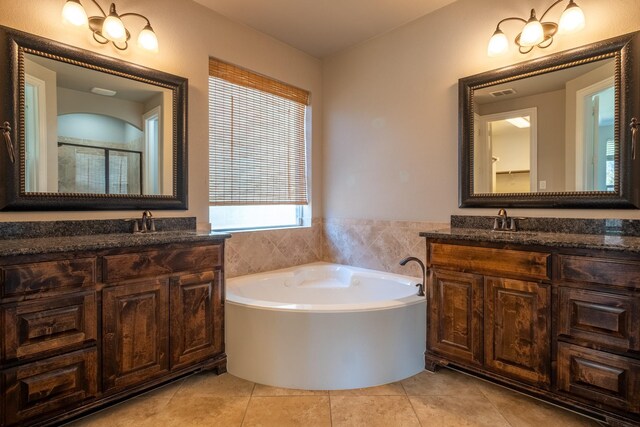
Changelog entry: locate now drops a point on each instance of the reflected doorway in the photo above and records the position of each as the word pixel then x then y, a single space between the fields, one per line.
pixel 505 157
pixel 595 137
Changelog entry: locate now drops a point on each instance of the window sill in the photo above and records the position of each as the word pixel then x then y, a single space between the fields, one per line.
pixel 250 230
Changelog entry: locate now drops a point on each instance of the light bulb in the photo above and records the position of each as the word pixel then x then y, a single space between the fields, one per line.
pixel 74 13
pixel 572 19
pixel 498 44
pixel 113 28
pixel 147 39
pixel 532 33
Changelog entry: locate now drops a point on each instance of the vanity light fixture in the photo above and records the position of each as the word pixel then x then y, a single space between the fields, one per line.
pixel 537 32
pixel 109 28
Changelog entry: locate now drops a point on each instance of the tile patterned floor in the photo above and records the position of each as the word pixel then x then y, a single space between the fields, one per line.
pixel 443 399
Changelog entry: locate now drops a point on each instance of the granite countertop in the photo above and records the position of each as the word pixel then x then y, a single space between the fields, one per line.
pixel 41 245
pixel 614 242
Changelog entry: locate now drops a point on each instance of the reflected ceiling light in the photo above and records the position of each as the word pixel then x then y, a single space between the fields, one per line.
pixel 103 92
pixel 519 122
pixel 109 28
pixel 538 32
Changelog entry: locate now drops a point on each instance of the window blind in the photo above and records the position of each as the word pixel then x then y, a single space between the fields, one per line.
pixel 257 150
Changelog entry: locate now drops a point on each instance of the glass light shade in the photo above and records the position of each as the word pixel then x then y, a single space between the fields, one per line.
pixel 498 44
pixel 572 19
pixel 148 40
pixel 113 29
pixel 532 33
pixel 74 13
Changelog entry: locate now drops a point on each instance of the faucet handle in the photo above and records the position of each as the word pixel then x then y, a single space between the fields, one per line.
pixel 134 228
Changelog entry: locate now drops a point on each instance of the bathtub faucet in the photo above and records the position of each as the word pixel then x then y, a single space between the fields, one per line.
pixel 424 273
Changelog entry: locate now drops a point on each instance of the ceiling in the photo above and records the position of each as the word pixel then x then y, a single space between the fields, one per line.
pixel 323 27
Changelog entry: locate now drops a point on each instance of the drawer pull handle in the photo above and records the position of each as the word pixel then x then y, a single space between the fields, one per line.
pixel 6 132
pixel 634 136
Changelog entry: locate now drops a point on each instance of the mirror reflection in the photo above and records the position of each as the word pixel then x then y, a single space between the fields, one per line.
pixel 96 133
pixel 552 132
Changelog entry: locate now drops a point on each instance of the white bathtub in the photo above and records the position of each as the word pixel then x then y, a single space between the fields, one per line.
pixel 324 327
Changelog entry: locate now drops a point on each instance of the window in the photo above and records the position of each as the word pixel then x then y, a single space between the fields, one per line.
pixel 257 150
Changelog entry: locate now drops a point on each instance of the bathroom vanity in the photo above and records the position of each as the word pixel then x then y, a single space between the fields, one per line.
pixel 554 315
pixel 89 320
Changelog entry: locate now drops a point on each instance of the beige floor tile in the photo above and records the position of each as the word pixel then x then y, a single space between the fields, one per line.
pixel 210 384
pixel 393 389
pixel 372 411
pixel 266 390
pixel 284 411
pixel 524 411
pixel 196 411
pixel 457 411
pixel 135 412
pixel 165 392
pixel 444 382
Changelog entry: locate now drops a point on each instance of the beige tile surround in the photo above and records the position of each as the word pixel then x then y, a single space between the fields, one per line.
pixel 374 244
pixel 443 399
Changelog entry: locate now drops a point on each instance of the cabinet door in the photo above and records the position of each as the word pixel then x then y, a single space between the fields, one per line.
pixel 196 317
pixel 135 332
pixel 517 320
pixel 455 315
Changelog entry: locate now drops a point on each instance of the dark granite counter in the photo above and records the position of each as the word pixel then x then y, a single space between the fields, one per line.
pixel 616 242
pixel 40 237
pixel 41 245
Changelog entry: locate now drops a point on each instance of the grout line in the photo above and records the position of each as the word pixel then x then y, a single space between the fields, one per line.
pixel 494 405
pixel 246 409
pixel 414 411
pixel 330 411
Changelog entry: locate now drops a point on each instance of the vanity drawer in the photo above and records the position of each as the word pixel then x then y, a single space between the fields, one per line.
pixel 600 377
pixel 605 271
pixel 528 264
pixel 37 279
pixel 49 386
pixel 48 325
pixel 606 319
pixel 156 263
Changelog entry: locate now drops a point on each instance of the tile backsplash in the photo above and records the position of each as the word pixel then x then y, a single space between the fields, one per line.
pixel 374 244
pixel 266 250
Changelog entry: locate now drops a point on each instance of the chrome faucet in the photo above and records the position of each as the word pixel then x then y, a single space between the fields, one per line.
pixel 424 273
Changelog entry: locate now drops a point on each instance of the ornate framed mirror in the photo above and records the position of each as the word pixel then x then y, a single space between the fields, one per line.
pixel 555 132
pixel 86 131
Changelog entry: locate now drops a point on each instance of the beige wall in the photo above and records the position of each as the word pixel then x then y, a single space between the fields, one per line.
pixel 391 105
pixel 188 34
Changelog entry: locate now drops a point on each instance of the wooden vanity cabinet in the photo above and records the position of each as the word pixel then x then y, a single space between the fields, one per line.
pixel 560 324
pixel 490 309
pixel 80 331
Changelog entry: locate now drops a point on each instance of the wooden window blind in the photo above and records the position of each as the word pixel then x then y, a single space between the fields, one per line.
pixel 257 150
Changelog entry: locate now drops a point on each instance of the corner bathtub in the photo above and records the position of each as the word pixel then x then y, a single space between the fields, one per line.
pixel 324 327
